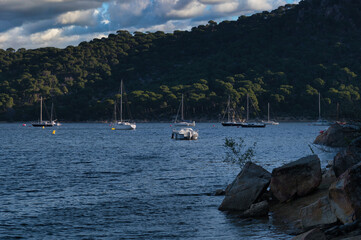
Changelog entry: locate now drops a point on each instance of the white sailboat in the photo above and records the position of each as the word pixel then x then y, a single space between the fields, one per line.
pixel 42 123
pixel 230 122
pixel 122 124
pixel 269 122
pixel 320 121
pixel 248 124
pixel 182 122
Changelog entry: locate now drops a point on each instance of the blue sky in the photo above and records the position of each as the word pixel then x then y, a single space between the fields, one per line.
pixel 59 23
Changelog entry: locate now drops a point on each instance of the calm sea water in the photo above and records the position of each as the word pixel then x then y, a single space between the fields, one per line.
pixel 88 181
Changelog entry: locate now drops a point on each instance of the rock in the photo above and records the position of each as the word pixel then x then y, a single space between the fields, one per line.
pixel 317 213
pixel 347 230
pixel 314 234
pixel 220 192
pixel 297 178
pixel 345 195
pixel 346 159
pixel 260 209
pixel 248 186
pixel 356 143
pixel 337 135
pixel 353 238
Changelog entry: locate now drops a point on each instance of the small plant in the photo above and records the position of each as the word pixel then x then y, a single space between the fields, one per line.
pixel 237 152
pixel 313 152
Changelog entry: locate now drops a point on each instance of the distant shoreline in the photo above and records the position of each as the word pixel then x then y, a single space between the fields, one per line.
pixel 164 121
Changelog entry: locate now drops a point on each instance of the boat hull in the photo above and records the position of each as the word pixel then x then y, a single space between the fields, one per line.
pixel 231 124
pixel 185 124
pixel 44 124
pixel 253 125
pixel 270 123
pixel 125 126
pixel 185 134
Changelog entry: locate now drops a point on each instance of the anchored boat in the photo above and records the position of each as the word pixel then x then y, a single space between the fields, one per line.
pixel 122 125
pixel 42 123
pixel 182 122
pixel 185 134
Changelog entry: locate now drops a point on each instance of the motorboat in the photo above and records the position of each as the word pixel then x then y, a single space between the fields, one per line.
pixel 185 134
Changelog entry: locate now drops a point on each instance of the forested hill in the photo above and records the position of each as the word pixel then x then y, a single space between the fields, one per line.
pixel 284 57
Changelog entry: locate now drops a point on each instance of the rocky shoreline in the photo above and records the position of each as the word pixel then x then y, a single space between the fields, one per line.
pixel 313 203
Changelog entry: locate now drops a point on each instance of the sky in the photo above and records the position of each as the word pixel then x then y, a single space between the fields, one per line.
pixel 59 23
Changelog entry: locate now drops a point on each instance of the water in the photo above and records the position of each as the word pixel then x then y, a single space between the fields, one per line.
pixel 87 181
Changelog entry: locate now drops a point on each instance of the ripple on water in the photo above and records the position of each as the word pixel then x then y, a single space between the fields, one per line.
pixel 89 182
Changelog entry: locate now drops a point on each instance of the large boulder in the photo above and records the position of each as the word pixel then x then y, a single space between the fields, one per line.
pixel 314 234
pixel 297 178
pixel 338 135
pixel 345 195
pixel 346 159
pixel 260 209
pixel 250 183
pixel 317 213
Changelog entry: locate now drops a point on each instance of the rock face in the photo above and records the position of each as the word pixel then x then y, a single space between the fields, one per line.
pixel 250 183
pixel 337 135
pixel 260 209
pixel 296 178
pixel 346 159
pixel 314 234
pixel 345 195
pixel 317 213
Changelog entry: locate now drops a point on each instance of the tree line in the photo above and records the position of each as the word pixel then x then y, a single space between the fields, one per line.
pixel 285 57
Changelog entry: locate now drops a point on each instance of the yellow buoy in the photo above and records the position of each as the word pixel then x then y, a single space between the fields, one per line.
pixel 53 132
pixel 43 127
pixel 113 128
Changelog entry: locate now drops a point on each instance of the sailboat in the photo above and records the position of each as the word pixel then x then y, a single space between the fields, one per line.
pixel 248 124
pixel 320 121
pixel 269 122
pixel 42 123
pixel 122 124
pixel 183 122
pixel 230 122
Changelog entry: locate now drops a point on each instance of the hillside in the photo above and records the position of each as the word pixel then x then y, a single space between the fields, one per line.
pixel 284 57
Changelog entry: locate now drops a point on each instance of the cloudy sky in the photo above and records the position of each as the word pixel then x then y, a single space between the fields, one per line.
pixel 59 23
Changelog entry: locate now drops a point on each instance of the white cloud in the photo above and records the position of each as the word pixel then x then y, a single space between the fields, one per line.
pixel 190 10
pixel 81 18
pixel 228 7
pixel 259 4
pixel 214 1
pixel 40 23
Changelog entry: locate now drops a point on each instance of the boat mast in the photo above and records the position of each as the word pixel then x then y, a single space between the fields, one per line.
pixel 121 101
pixel 338 112
pixel 41 109
pixel 268 112
pixel 51 112
pixel 319 106
pixel 247 107
pixel 115 110
pixel 182 109
pixel 228 107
